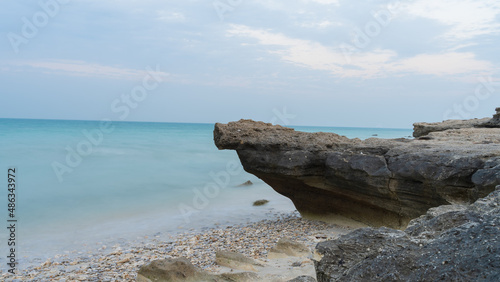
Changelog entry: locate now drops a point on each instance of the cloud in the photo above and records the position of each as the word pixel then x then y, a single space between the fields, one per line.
pixel 371 64
pixel 466 18
pixel 82 69
pixel 169 16
pixel 293 7
pixel 452 63
pixel 319 24
pixel 325 2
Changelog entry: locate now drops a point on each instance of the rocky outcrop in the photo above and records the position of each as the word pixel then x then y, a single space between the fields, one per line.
pixel 287 247
pixel 238 277
pixel 179 269
pixel 303 278
pixel 236 261
pixel 492 123
pixel 449 243
pixel 423 128
pixel 182 270
pixel 376 181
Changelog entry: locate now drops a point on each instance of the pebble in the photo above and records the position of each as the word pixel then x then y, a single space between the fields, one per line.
pixel 122 263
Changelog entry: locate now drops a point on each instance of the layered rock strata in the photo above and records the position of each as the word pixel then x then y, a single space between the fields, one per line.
pixel 382 182
pixel 423 128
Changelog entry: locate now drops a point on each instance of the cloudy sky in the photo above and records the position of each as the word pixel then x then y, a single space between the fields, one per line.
pixel 303 62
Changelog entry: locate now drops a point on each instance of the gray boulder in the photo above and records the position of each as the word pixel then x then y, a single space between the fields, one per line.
pixel 449 243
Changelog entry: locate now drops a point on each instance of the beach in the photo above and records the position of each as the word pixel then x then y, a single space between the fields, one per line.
pixel 254 240
pixel 139 180
pixel 242 141
pixel 141 186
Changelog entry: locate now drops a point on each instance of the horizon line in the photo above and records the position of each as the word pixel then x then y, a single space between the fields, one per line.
pixel 183 122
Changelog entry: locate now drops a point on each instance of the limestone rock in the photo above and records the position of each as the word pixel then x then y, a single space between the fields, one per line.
pixel 235 260
pixel 381 182
pixel 286 247
pixel 449 243
pixel 424 128
pixel 303 278
pixel 179 269
pixel 141 278
pixel 240 277
pixel 494 122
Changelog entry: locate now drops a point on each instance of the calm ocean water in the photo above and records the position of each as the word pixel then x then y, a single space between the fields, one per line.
pixel 81 187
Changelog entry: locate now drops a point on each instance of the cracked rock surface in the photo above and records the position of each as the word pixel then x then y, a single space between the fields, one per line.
pixel 449 243
pixel 381 182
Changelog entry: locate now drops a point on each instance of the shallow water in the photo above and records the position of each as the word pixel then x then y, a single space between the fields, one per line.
pixel 81 187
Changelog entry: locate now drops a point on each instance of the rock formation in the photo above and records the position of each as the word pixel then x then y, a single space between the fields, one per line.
pixel 182 270
pixel 179 269
pixel 287 247
pixel 303 278
pixel 235 260
pixel 449 243
pixel 492 123
pixel 423 128
pixel 381 182
pixel 236 267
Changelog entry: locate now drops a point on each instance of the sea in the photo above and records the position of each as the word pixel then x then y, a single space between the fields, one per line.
pixel 83 185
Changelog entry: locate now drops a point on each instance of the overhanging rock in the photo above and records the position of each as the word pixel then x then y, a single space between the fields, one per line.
pixel 382 182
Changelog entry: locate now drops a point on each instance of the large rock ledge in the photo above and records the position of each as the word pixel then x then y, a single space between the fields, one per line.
pixel 381 182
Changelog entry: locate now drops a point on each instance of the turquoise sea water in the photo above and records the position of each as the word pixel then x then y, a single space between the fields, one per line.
pixel 82 185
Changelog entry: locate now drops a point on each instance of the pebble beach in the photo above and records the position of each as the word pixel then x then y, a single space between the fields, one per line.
pixel 122 262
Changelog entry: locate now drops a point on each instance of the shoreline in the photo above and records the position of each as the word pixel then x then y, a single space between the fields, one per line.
pixel 77 239
pixel 122 261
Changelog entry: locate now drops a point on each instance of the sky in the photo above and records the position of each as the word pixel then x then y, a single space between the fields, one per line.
pixel 304 62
